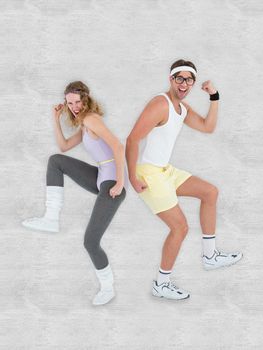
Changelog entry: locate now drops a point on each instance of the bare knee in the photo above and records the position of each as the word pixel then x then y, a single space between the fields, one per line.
pixel 210 194
pixel 180 228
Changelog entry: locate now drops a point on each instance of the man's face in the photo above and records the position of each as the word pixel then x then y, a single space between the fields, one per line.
pixel 182 84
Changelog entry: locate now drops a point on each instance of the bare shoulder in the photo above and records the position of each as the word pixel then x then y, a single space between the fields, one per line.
pixel 187 106
pixel 157 105
pixel 91 119
pixel 159 101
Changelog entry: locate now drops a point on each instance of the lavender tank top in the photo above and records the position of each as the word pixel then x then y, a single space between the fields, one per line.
pixel 100 151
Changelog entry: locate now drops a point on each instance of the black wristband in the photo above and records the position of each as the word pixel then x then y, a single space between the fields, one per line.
pixel 214 97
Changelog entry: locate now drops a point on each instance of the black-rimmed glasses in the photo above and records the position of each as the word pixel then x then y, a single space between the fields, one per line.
pixel 179 80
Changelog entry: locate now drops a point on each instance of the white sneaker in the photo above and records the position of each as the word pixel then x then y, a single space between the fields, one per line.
pixel 219 259
pixel 103 296
pixel 169 291
pixel 42 224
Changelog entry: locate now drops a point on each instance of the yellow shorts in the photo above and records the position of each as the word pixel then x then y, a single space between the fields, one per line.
pixel 162 182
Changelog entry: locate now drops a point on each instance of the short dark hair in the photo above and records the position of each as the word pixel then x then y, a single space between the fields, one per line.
pixel 182 62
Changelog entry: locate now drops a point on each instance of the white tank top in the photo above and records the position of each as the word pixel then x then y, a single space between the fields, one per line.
pixel 159 143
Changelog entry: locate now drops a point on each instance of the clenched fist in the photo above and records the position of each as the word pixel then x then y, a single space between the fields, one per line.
pixel 57 111
pixel 208 87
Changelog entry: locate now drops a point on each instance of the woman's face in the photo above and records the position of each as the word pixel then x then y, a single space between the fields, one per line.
pixel 74 103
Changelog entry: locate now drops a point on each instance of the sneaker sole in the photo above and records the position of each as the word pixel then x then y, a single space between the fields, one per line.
pixel 213 267
pixel 157 295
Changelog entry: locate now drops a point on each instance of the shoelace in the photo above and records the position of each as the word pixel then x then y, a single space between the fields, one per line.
pixel 217 252
pixel 171 285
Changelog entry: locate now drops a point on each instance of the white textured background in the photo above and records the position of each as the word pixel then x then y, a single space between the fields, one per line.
pixel 123 50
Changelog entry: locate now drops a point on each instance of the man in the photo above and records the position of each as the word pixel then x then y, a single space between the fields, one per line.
pixel 159 183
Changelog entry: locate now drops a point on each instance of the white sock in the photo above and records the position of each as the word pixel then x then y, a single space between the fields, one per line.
pixel 54 201
pixel 163 276
pixel 209 245
pixel 105 277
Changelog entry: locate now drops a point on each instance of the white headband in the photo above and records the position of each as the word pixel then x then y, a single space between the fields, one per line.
pixel 185 68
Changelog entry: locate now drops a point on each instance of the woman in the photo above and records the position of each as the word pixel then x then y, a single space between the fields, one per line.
pixel 107 181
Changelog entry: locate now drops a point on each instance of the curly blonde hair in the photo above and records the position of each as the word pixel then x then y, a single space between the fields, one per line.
pixel 89 104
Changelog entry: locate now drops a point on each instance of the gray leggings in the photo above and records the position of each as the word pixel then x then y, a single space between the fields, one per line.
pixel 105 206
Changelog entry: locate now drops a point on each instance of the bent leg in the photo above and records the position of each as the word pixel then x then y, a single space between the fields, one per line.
pixel 102 214
pixel 82 173
pixel 207 193
pixel 212 258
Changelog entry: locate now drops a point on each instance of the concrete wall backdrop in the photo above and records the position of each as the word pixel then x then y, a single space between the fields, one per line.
pixel 123 50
